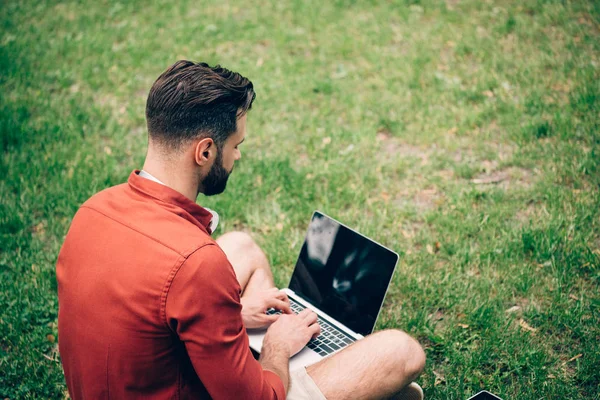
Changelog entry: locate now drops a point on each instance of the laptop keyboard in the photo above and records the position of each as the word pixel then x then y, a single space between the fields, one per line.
pixel 329 340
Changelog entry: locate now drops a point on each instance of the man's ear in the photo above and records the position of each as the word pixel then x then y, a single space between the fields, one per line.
pixel 205 151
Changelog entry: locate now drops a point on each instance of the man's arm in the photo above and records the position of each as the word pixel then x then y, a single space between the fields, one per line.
pixel 203 308
pixel 286 337
pixel 275 357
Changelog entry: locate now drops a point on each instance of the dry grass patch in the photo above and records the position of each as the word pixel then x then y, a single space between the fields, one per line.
pixel 507 178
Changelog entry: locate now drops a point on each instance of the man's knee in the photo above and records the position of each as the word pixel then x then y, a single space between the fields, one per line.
pixel 239 238
pixel 241 244
pixel 403 351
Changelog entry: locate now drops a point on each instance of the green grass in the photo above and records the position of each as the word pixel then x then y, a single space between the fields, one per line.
pixel 463 134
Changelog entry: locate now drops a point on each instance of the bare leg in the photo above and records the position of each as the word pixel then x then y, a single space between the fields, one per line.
pixel 376 367
pixel 248 260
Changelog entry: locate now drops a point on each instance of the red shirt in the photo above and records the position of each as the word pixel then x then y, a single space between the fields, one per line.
pixel 150 305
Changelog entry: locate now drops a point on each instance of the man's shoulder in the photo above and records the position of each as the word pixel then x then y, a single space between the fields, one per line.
pixel 145 216
pixel 108 194
pixel 209 253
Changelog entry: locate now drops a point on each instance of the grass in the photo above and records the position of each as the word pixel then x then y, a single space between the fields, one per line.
pixel 463 134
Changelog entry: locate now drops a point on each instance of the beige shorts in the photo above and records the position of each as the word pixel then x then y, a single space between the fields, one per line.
pixel 302 387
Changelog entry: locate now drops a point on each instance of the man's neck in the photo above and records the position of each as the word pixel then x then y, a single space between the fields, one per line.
pixel 172 176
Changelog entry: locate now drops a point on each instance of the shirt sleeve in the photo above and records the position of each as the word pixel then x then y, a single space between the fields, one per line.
pixel 203 307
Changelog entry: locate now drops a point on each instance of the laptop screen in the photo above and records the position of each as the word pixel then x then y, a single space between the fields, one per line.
pixel 343 273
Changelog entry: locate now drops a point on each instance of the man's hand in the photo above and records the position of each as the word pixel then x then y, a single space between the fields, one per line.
pixel 255 306
pixel 284 338
pixel 293 331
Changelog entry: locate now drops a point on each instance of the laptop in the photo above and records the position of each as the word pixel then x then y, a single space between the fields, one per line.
pixel 343 277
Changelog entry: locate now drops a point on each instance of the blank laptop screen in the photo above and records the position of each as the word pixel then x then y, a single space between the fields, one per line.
pixel 343 273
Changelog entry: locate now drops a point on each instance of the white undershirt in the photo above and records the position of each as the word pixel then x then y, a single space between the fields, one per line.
pixel 214 222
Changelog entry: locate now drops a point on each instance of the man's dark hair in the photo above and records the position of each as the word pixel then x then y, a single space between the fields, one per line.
pixel 191 100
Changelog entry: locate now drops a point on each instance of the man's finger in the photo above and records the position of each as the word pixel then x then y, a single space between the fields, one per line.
pixel 306 313
pixel 280 305
pixel 315 329
pixel 282 295
pixel 310 319
pixel 270 318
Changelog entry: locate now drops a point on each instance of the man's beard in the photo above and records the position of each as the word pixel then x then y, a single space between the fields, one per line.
pixel 216 180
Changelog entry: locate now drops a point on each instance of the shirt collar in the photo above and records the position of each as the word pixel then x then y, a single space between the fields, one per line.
pixel 150 186
pixel 147 175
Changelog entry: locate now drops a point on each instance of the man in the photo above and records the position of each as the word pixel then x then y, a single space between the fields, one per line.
pixel 152 307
